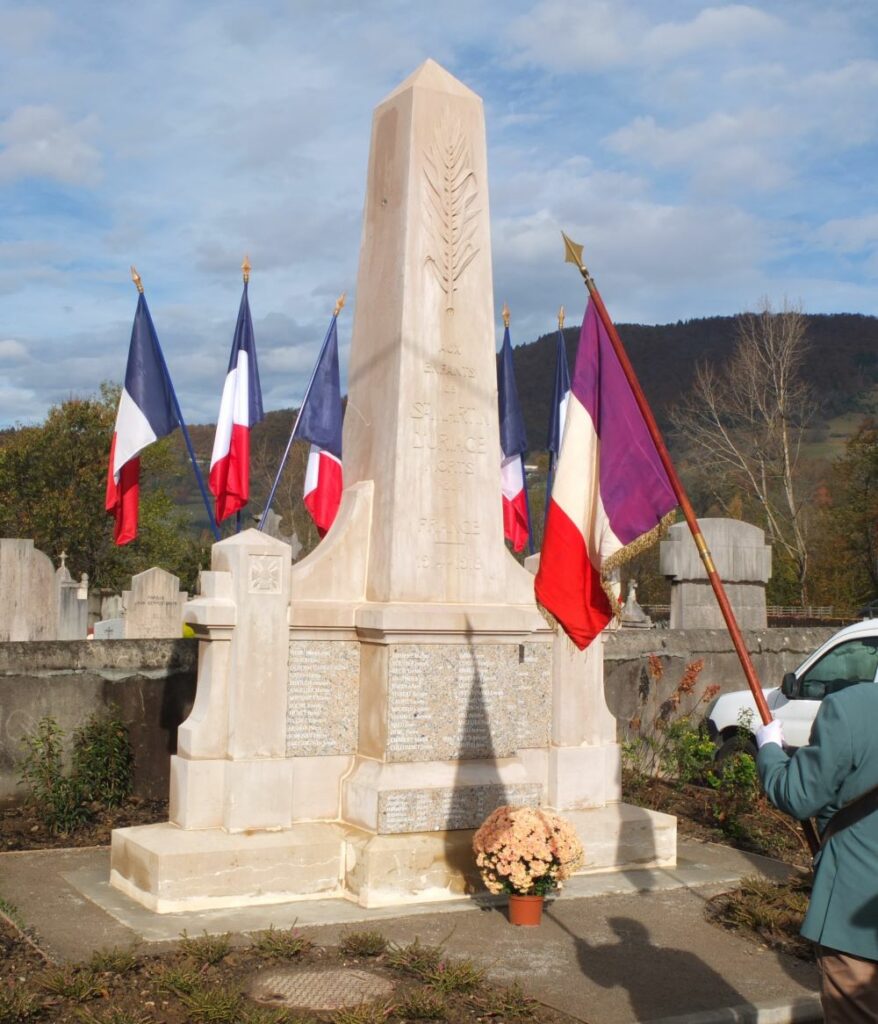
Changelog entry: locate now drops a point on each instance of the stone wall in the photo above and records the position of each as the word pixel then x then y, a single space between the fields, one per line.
pixel 634 691
pixel 152 682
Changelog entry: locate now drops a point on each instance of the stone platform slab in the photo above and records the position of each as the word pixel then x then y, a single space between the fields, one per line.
pixel 168 869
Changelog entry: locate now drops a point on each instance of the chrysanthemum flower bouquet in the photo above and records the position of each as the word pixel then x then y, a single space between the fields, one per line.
pixel 526 851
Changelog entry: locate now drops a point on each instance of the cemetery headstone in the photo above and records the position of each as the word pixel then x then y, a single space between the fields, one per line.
pixel 28 592
pixel 153 605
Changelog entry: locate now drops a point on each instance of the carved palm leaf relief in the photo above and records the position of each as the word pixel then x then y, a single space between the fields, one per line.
pixel 451 212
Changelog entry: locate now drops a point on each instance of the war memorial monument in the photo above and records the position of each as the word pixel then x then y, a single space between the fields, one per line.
pixel 359 713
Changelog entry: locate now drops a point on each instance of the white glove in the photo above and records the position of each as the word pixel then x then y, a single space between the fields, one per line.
pixel 770 733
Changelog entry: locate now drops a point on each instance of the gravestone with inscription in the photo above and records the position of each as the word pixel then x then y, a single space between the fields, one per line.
pixel 361 711
pixel 28 592
pixel 153 605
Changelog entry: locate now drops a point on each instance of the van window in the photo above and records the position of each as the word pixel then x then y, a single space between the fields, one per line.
pixel 854 661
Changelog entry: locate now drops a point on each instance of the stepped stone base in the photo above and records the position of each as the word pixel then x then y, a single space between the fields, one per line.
pixel 168 869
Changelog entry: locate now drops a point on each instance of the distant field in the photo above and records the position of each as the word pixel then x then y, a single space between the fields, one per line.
pixel 839 430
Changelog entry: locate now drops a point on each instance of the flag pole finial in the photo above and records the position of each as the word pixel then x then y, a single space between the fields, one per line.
pixel 561 319
pixel 245 269
pixel 339 303
pixel 135 277
pixel 573 254
pixel 506 316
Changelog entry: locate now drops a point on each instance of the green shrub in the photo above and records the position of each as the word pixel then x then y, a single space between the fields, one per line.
pixel 735 782
pixel 101 774
pixel 103 763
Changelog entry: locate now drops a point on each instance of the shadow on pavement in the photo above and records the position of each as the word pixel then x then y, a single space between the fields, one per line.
pixel 660 981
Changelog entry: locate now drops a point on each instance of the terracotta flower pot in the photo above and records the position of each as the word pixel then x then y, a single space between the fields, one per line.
pixel 526 911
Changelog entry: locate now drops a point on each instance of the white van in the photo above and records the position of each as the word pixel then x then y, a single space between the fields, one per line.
pixel 848 657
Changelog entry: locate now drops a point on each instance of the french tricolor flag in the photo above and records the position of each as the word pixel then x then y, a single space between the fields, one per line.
pixel 240 409
pixel 146 413
pixel 513 444
pixel 611 492
pixel 320 422
pixel 558 415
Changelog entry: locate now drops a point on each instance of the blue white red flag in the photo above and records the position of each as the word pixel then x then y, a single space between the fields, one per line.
pixel 240 409
pixel 558 413
pixel 146 413
pixel 513 444
pixel 611 494
pixel 320 422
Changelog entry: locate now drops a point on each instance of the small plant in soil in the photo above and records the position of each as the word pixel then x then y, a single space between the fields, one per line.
pixel 414 958
pixel 214 1004
pixel 284 944
pixel 113 1015
pixel 18 1005
pixel 206 949
pixel 506 1003
pixel 366 1013
pixel 113 961
pixel 422 1004
pixel 770 910
pixel 454 976
pixel 362 944
pixel 77 984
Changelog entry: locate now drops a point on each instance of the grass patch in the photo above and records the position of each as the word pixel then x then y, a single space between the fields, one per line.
pixel 363 944
pixel 414 959
pixel 282 945
pixel 76 984
pixel 179 979
pixel 455 976
pixel 114 1016
pixel 772 911
pixel 366 1013
pixel 113 961
pixel 206 949
pixel 214 1004
pixel 19 1005
pixel 422 1004
pixel 506 1003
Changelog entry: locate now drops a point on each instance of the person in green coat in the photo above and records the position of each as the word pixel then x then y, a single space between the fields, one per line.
pixel 839 764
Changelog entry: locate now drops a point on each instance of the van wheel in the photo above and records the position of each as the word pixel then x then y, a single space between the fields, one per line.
pixel 740 744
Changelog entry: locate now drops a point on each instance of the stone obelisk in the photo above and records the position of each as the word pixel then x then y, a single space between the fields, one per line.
pixel 422 424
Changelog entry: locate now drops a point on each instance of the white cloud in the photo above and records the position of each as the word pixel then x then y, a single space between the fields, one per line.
pixel 724 151
pixel 12 351
pixel 593 35
pixel 851 234
pixel 37 142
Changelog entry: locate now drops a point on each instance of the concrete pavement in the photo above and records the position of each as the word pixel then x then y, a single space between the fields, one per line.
pixel 612 949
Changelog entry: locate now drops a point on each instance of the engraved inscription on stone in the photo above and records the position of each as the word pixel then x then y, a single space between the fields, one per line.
pixel 480 700
pixel 431 810
pixel 265 574
pixel 451 211
pixel 320 989
pixel 322 697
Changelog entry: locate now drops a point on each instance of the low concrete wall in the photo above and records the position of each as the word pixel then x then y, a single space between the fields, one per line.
pixel 634 692
pixel 152 682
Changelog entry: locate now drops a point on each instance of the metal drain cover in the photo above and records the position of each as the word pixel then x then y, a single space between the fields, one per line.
pixel 318 990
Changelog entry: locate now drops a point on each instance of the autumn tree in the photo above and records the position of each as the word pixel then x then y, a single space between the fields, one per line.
pixel 53 480
pixel 743 425
pixel 846 555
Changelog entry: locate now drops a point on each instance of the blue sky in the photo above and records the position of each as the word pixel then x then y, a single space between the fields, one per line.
pixel 706 155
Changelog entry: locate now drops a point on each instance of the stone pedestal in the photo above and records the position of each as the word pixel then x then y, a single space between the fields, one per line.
pixel 743 561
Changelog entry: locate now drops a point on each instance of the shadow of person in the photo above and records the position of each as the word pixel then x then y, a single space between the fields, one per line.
pixel 660 981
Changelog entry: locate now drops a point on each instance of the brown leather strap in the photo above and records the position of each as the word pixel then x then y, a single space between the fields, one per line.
pixel 850 814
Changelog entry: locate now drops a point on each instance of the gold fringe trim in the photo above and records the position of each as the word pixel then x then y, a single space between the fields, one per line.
pixel 625 554
pixel 549 617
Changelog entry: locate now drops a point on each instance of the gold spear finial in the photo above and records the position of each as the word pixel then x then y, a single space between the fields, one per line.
pixel 561 319
pixel 573 254
pixel 245 269
pixel 339 304
pixel 135 277
pixel 505 315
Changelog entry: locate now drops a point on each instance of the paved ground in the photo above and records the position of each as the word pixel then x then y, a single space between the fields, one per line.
pixel 612 949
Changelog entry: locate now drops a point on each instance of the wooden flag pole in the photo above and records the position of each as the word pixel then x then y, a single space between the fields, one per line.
pixel 574 255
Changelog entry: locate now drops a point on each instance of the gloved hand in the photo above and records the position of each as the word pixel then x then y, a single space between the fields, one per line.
pixel 771 733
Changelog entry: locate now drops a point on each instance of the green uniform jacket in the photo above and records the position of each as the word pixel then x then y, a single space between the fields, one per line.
pixel 839 763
